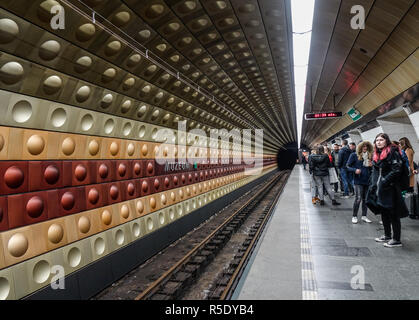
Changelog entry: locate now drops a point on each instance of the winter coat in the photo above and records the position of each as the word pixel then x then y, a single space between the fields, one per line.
pixel 344 154
pixel 409 153
pixel 319 164
pixel 335 157
pixel 353 164
pixel 384 192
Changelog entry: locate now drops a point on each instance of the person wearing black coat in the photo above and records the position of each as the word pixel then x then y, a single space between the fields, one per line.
pixel 319 165
pixel 359 164
pixel 344 154
pixel 384 194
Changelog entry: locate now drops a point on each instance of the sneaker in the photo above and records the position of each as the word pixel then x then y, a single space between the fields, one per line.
pixel 345 197
pixel 393 243
pixel 335 203
pixel 382 239
pixel 354 220
pixel 365 219
pixel 322 202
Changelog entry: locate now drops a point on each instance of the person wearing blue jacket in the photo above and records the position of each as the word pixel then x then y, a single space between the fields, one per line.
pixel 343 156
pixel 359 163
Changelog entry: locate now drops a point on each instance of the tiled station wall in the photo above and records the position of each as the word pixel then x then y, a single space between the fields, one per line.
pixel 79 177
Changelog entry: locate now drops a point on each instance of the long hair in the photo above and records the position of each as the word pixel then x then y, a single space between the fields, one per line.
pixel 382 135
pixel 359 148
pixel 405 144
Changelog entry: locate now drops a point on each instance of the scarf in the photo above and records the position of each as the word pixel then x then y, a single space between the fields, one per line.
pixel 379 156
pixel 365 157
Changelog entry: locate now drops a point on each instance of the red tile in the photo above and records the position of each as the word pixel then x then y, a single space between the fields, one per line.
pixel 14 177
pixel 4 220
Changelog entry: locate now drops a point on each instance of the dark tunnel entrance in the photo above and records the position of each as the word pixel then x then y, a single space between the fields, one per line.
pixel 287 157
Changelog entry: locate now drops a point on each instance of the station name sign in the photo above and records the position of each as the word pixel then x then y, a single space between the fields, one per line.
pixel 322 115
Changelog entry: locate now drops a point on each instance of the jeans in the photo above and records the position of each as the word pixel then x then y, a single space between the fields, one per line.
pixel 313 187
pixel 360 194
pixel 350 176
pixel 391 220
pixel 344 176
pixel 324 180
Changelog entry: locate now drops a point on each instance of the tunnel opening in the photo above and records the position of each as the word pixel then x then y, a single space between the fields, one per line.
pixel 287 157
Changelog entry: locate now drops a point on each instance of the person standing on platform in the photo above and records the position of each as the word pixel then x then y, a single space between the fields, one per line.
pixel 335 157
pixel 319 165
pixel 352 147
pixel 344 154
pixel 410 153
pixel 384 193
pixel 359 163
pixel 314 192
pixel 303 160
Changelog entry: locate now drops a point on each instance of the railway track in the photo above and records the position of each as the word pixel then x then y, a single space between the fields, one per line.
pixel 178 279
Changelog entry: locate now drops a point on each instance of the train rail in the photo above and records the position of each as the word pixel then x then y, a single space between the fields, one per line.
pixel 174 282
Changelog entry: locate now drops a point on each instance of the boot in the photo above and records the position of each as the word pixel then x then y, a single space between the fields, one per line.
pixel 335 203
pixel 322 202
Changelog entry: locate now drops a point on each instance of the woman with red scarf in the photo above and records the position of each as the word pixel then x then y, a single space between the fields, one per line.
pixel 384 194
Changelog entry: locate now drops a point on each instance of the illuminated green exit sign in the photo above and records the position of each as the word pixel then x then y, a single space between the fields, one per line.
pixel 354 114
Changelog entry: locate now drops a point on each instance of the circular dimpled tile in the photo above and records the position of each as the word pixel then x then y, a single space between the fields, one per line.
pixel 144 150
pixel 13 177
pixel 51 174
pixel 83 64
pixel 119 237
pixel 85 32
pixel 93 147
pixel 163 199
pixel 74 257
pixel 103 171
pixel 150 224
pixel 49 50
pixel 124 211
pixel 52 84
pixel 136 230
pixel 140 206
pixel 130 149
pixel 114 148
pixel 109 126
pixel 112 48
pixel 126 106
pixel 17 245
pixel 84 224
pixel 55 233
pixel 4 288
pixel 80 172
pixel 161 218
pixel 93 196
pixel 8 30
pixel 11 72
pixel 58 117
pixel 41 271
pixel 150 168
pixel 83 93
pixel 131 189
pixel 68 200
pixel 153 203
pixel 114 192
pixel 99 246
pixel 35 207
pixel 68 146
pixel 22 111
pixel 144 186
pixel 106 217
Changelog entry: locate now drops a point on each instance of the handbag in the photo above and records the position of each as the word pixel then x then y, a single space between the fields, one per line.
pixel 333 177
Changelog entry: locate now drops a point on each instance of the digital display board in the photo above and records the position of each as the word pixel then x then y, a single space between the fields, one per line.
pixel 322 115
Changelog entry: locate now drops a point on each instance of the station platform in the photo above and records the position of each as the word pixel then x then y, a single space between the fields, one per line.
pixel 310 252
